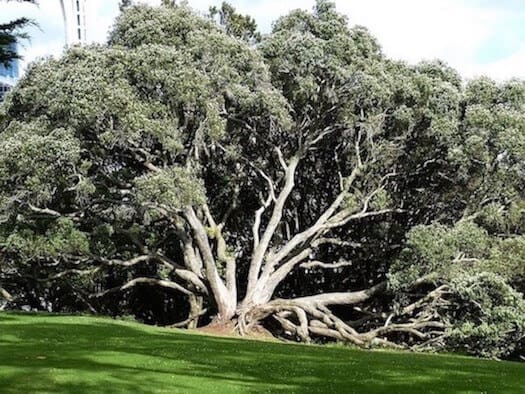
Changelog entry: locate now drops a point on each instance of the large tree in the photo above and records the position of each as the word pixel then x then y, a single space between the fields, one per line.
pixel 274 185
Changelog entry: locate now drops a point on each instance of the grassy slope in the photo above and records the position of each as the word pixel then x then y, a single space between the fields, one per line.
pixel 42 353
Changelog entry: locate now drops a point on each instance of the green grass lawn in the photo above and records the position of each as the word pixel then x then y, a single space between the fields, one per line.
pixel 61 354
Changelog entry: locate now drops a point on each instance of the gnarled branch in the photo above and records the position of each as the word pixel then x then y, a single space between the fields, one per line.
pixel 148 281
pixel 320 264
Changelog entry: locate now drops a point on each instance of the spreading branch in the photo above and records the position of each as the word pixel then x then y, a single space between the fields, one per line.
pixel 320 264
pixel 148 281
pixel 275 219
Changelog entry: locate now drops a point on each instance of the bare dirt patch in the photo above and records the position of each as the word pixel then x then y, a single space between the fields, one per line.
pixel 228 330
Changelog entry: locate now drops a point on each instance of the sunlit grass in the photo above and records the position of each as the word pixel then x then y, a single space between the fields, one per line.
pixel 62 354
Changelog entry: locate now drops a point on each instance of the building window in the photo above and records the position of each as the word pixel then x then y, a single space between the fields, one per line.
pixel 4 89
pixel 79 34
pixel 78 19
pixel 78 5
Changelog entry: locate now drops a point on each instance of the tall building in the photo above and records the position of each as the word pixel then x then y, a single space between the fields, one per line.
pixel 9 74
pixel 74 14
pixel 13 69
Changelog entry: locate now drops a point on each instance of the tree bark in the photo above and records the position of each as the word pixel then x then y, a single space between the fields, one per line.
pixel 195 311
pixel 226 303
pixel 275 219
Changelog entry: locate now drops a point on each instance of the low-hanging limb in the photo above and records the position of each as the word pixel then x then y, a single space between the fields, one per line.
pixel 343 298
pixel 148 281
pixel 65 273
pixel 430 297
pixel 320 264
pixel 181 272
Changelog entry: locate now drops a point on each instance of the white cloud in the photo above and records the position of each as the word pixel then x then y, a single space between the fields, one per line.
pixel 100 15
pixel 415 30
pixel 452 30
pixel 512 66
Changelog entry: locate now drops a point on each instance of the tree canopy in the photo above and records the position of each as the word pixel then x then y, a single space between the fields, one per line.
pixel 306 183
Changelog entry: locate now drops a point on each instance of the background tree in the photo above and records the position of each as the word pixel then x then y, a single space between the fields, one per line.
pixel 11 33
pixel 308 184
pixel 125 3
pixel 235 24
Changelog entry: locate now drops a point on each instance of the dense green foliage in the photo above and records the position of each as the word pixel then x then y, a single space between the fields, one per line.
pixel 182 170
pixel 92 355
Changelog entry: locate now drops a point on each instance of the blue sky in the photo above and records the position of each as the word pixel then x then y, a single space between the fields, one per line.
pixel 477 37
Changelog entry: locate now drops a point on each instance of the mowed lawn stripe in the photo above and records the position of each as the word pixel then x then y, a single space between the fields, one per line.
pixel 63 354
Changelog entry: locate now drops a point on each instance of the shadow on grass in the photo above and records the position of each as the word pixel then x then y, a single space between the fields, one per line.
pixel 73 354
pixel 5 317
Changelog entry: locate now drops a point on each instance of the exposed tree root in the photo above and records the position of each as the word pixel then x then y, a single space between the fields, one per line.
pixel 308 318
